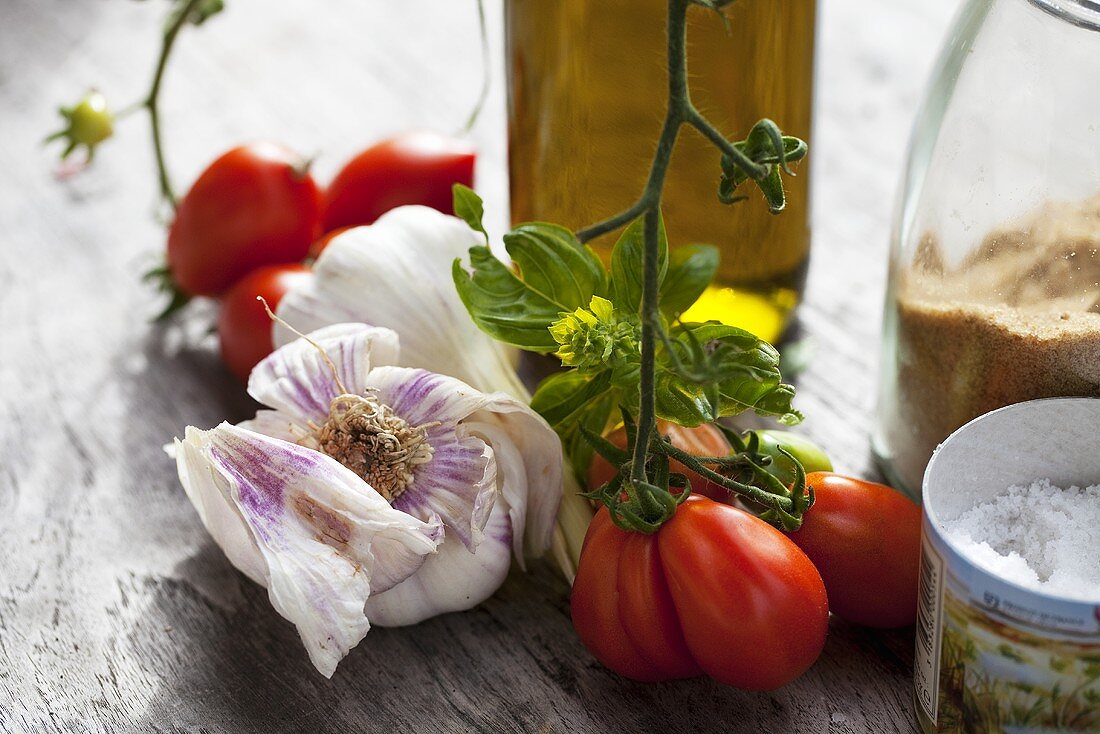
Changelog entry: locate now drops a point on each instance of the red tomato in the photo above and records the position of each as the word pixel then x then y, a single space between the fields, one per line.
pixel 412 168
pixel 864 538
pixel 255 205
pixel 244 328
pixel 701 440
pixel 715 590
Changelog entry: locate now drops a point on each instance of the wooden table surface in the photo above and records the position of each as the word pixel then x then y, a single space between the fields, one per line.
pixel 117 613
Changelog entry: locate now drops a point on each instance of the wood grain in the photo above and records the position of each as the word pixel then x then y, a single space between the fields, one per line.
pixel 116 611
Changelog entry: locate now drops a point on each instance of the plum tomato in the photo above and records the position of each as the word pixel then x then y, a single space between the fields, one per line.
pixel 714 591
pixel 701 440
pixel 244 328
pixel 411 168
pixel 864 538
pixel 256 205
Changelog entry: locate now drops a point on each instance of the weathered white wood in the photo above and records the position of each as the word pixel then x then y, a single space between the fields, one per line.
pixel 116 611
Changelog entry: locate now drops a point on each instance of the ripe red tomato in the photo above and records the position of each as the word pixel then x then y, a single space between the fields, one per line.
pixel 864 538
pixel 411 168
pixel 255 205
pixel 715 590
pixel 244 328
pixel 701 440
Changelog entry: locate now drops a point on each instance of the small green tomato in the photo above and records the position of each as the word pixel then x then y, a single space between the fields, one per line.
pixel 89 122
pixel 806 451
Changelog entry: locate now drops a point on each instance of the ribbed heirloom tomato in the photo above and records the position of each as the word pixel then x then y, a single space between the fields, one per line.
pixel 864 538
pixel 715 590
pixel 255 205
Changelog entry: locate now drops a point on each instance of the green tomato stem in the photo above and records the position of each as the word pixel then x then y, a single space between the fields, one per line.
pixel 152 101
pixel 756 494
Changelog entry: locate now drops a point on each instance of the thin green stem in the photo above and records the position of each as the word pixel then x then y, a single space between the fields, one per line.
pixel 678 103
pixel 486 72
pixel 756 170
pixel 756 494
pixel 152 102
pixel 611 224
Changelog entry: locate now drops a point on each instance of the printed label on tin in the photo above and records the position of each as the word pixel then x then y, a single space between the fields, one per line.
pixel 926 670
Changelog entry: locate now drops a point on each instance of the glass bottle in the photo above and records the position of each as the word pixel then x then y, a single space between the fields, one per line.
pixel 586 101
pixel 994 290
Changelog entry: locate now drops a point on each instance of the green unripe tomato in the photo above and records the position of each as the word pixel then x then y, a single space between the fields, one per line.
pixel 87 123
pixel 91 120
pixel 806 451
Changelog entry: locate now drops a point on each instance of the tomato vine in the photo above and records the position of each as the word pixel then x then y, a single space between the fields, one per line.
pixel 621 335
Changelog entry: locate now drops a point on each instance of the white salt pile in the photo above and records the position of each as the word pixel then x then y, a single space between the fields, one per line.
pixel 1042 537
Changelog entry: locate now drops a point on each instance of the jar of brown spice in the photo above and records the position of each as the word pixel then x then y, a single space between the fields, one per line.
pixel 994 290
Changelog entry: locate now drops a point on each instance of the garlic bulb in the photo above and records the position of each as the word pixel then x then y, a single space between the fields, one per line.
pixel 397 273
pixel 369 492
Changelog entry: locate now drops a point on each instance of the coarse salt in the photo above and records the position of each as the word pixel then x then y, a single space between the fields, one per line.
pixel 1042 537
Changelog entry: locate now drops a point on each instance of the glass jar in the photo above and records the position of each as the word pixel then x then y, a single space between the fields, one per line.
pixel 994 286
pixel 586 101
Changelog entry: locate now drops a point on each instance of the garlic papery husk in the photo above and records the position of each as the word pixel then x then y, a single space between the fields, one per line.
pixel 397 273
pixel 305 527
pixel 477 475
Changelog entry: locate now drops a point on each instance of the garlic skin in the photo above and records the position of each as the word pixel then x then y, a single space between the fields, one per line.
pixel 397 273
pixel 334 554
pixel 300 524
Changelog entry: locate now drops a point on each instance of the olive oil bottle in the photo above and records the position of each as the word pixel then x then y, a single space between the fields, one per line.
pixel 587 84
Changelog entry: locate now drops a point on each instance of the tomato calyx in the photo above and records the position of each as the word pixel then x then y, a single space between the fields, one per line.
pixel 634 504
pixel 161 279
pixel 87 123
pixel 643 501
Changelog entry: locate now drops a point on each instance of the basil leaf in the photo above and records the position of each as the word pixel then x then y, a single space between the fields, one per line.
pixel 627 264
pixel 681 401
pixel 562 394
pixel 594 418
pixel 552 261
pixel 503 306
pixel 469 208
pixel 691 269
pixel 744 368
pixel 569 400
pixel 557 275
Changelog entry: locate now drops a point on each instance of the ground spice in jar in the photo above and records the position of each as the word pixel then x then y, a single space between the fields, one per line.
pixel 1017 319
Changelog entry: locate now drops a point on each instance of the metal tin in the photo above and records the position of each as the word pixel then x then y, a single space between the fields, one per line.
pixel 993 656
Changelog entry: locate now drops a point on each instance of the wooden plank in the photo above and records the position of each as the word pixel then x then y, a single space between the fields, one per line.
pixel 116 611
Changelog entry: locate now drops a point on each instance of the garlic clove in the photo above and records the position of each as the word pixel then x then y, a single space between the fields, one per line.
pixel 526 451
pixel 459 482
pixel 529 465
pixel 452 580
pixel 298 522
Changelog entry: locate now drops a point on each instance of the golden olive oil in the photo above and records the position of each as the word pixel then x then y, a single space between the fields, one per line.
pixel 587 98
